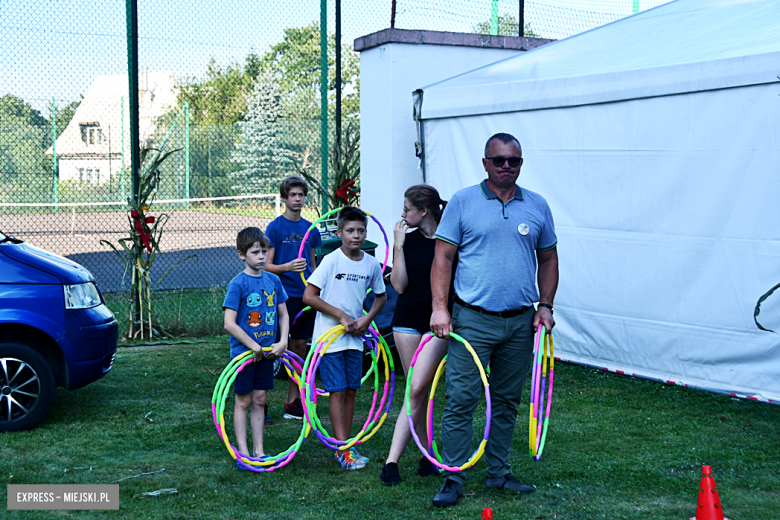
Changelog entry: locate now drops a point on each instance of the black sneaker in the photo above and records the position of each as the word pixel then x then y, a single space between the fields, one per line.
pixel 427 468
pixel 268 420
pixel 449 494
pixel 390 475
pixel 508 482
pixel 293 410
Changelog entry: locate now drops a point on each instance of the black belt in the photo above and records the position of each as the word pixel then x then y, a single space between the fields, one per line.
pixel 503 314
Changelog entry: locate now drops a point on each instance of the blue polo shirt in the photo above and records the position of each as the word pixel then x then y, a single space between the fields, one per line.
pixel 497 245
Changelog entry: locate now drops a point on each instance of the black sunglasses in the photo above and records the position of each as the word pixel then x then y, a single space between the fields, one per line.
pixel 498 161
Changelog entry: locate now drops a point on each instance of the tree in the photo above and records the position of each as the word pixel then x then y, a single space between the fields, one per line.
pixel 260 150
pixel 65 114
pixel 507 26
pixel 220 97
pixel 296 63
pixel 24 137
pixel 217 101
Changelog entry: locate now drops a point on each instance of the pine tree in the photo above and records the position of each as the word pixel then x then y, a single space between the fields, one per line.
pixel 261 151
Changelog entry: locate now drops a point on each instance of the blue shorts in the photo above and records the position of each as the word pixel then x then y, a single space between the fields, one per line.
pixel 255 376
pixel 407 330
pixel 341 370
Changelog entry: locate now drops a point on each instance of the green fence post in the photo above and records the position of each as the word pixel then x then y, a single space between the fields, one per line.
pixel 131 19
pixel 208 165
pixel 636 6
pixel 122 173
pixel 494 17
pixel 324 99
pixel 131 7
pixel 338 84
pixel 54 148
pixel 187 152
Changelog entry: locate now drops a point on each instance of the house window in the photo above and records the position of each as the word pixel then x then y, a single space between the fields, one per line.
pixel 97 175
pixel 91 134
pixel 81 174
pixel 89 175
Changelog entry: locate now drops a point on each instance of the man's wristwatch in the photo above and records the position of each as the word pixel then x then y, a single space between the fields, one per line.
pixel 547 305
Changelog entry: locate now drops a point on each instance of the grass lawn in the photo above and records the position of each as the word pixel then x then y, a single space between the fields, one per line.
pixel 617 448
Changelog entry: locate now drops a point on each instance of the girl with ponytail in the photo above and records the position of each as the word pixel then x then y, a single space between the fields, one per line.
pixel 413 251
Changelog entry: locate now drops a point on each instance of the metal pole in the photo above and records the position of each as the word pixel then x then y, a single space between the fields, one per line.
pixel 392 15
pixel 110 171
pixel 494 17
pixel 521 19
pixel 122 173
pixel 324 99
pixel 187 152
pixel 131 18
pixel 54 148
pixel 338 84
pixel 208 165
pixel 132 74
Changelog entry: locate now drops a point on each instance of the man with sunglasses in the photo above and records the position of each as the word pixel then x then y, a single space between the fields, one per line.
pixel 505 240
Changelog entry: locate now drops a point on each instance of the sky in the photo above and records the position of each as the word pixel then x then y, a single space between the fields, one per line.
pixel 55 48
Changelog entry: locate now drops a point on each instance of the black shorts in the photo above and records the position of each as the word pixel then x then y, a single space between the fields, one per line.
pixel 303 327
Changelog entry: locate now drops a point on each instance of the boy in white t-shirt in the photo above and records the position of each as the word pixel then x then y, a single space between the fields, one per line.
pixel 336 291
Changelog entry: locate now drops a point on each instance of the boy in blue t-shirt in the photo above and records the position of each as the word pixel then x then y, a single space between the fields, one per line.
pixel 285 234
pixel 336 291
pixel 253 305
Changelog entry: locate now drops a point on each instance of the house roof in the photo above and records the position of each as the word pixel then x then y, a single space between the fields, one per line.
pixel 683 46
pixel 104 103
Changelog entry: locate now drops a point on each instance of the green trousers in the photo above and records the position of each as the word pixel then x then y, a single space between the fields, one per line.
pixel 505 343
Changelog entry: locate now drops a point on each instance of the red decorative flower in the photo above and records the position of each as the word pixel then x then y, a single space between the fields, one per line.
pixel 345 189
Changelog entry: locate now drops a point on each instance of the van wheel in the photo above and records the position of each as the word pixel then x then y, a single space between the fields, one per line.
pixel 26 387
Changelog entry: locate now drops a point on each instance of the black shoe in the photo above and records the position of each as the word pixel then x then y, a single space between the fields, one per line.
pixel 449 494
pixel 268 420
pixel 390 475
pixel 508 482
pixel 293 410
pixel 426 468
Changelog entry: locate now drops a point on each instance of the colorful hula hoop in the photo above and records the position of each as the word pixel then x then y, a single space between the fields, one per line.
pixel 537 429
pixel 432 453
pixel 220 395
pixel 323 217
pixel 370 369
pixel 374 420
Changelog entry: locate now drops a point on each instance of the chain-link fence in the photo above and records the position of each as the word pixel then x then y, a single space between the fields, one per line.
pixel 233 87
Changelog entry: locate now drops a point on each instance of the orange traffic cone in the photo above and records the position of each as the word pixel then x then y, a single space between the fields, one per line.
pixel 708 507
pixel 487 514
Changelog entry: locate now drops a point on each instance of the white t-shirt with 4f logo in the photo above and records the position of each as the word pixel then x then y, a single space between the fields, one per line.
pixel 343 283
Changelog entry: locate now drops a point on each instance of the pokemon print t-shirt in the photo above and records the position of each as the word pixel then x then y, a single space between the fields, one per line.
pixel 254 298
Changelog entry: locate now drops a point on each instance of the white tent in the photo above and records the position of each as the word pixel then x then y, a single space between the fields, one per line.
pixel 656 141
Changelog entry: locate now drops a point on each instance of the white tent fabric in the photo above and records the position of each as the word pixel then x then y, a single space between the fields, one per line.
pixel 683 46
pixel 666 206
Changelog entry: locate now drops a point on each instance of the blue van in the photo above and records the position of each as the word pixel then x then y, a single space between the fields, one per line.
pixel 55 330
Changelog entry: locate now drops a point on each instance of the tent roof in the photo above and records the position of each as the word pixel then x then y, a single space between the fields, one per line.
pixel 680 47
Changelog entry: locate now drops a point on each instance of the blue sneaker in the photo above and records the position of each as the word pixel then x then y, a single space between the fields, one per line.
pixel 347 460
pixel 359 456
